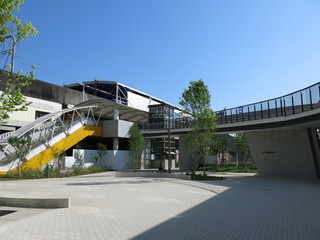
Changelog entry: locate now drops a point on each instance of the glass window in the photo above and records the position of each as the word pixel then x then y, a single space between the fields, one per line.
pixel 39 114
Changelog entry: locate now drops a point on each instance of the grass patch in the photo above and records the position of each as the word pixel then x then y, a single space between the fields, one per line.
pixel 89 170
pixel 201 177
pixel 230 169
pixel 49 172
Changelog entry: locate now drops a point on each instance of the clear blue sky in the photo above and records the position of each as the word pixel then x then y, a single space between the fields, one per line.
pixel 245 51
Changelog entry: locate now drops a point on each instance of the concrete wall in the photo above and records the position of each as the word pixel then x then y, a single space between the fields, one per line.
pixel 283 153
pixel 54 93
pixel 114 160
pixel 86 154
pixel 211 160
pixel 117 160
pixel 314 143
pixel 45 97
pixel 22 118
pixel 116 128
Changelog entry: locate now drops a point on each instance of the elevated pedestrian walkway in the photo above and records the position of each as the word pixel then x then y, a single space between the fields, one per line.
pixel 50 136
pixel 297 109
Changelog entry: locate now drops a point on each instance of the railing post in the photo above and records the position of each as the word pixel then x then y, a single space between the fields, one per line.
pixel 255 114
pixel 236 114
pixel 268 109
pixel 318 100
pixel 242 113
pixel 276 107
pixel 302 109
pixel 225 116
pixel 261 111
pixel 248 113
pixel 310 98
pixel 293 111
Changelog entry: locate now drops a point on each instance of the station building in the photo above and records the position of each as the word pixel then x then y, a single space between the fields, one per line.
pixel 123 106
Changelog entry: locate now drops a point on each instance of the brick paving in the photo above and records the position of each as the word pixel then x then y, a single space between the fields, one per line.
pixel 105 207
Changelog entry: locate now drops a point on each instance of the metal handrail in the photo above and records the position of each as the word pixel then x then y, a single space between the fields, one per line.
pixel 5 135
pixel 38 123
pixel 299 101
pixel 44 129
pixel 177 123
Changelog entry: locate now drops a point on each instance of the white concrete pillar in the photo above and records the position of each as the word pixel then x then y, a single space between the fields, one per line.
pixel 115 143
pixel 116 114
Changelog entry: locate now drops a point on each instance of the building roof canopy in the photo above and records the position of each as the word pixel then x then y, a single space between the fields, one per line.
pixel 108 108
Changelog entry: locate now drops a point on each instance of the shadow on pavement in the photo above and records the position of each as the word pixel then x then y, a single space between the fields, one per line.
pixel 136 181
pixel 252 208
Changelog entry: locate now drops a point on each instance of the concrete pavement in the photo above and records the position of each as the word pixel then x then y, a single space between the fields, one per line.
pixel 105 207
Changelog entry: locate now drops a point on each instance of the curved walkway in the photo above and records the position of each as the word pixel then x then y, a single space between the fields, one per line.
pixel 106 207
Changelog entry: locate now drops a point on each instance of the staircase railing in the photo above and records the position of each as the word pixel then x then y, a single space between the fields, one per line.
pixel 46 131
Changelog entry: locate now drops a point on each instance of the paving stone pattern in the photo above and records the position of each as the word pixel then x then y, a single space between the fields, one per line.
pixel 105 207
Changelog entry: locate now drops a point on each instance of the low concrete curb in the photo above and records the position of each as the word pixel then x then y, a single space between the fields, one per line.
pixel 35 202
pixel 154 175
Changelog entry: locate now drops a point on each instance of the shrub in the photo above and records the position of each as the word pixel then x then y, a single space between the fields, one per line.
pixel 12 174
pixel 32 173
pixel 92 169
pixel 205 177
pixel 80 171
pixel 95 169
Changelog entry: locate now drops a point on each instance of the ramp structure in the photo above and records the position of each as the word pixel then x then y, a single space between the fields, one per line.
pixel 50 136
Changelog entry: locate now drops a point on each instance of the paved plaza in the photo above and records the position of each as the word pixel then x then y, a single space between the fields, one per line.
pixel 107 207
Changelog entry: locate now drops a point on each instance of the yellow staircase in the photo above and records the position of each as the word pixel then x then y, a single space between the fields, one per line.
pixel 58 148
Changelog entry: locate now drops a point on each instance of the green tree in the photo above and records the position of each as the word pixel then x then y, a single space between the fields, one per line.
pixel 10 25
pixel 11 98
pixel 79 159
pixel 12 31
pixel 102 151
pixel 196 102
pixel 136 143
pixel 242 148
pixel 59 158
pixel 22 147
pixel 218 146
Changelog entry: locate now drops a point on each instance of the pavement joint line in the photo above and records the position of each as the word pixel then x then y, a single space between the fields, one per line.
pixel 107 207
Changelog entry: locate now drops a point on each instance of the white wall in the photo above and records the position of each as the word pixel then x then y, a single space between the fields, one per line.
pixel 116 128
pixel 114 160
pixel 118 159
pixel 140 102
pixel 21 118
pixel 210 160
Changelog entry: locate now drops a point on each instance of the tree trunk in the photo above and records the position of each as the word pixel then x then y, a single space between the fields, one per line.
pixel 19 169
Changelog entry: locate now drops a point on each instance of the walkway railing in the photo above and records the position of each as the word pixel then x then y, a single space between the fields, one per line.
pixel 293 103
pixel 178 123
pixel 290 104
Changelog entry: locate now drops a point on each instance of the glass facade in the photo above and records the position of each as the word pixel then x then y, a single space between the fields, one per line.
pixel 160 148
pixel 162 116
